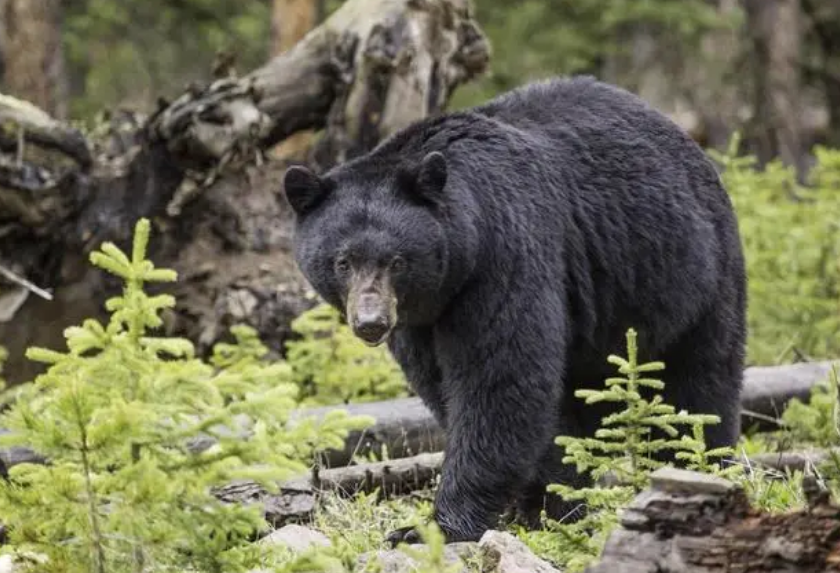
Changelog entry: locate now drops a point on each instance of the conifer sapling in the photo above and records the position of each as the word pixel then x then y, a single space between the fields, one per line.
pixel 116 415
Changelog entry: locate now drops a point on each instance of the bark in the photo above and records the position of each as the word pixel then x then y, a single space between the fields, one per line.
pixel 689 521
pixel 824 18
pixel 34 67
pixel 291 20
pixel 198 169
pixel 775 31
pixel 803 461
pixel 296 499
pixel 705 84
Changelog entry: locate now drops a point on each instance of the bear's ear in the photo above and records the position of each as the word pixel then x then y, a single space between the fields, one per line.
pixel 428 179
pixel 304 189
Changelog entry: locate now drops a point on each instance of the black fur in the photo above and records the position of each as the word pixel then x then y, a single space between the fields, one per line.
pixel 570 211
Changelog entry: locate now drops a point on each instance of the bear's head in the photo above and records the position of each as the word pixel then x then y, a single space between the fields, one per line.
pixel 370 238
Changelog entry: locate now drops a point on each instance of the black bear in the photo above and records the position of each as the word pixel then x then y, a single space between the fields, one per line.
pixel 503 251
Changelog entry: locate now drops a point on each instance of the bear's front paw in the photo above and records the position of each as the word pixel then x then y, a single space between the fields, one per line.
pixel 407 535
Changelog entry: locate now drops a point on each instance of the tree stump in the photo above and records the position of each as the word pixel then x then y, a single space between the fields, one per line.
pixel 693 522
pixel 198 169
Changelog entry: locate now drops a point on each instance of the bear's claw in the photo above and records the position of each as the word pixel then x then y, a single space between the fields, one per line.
pixel 407 535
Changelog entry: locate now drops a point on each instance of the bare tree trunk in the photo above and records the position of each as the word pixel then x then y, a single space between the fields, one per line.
pixel 291 20
pixel 33 54
pixel 825 25
pixel 712 85
pixel 2 41
pixel 688 79
pixel 775 29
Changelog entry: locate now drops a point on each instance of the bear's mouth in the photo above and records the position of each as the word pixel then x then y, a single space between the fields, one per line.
pixel 372 328
pixel 373 341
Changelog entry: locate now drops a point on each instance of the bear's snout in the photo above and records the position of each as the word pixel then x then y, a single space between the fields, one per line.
pixel 371 318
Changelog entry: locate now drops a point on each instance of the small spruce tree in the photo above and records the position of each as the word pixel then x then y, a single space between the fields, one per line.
pixel 332 366
pixel 115 415
pixel 624 447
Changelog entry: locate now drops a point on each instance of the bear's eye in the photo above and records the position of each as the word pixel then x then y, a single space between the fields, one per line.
pixel 342 265
pixel 398 265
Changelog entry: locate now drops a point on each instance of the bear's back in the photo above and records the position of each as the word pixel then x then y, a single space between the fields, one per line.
pixel 587 109
pixel 649 224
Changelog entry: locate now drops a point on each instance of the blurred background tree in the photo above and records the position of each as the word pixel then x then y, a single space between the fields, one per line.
pixel 768 67
pixel 129 53
pixel 32 50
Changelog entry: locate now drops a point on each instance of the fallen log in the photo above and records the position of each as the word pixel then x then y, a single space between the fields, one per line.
pixel 802 461
pixel 689 521
pixel 405 427
pixel 768 389
pixel 296 498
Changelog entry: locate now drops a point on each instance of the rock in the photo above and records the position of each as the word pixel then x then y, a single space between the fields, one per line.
pixel 691 503
pixel 497 552
pixel 296 537
pixel 25 561
pixel 503 553
pixel 398 561
pixel 673 480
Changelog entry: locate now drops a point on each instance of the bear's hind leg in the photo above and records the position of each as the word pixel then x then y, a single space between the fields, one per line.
pixel 704 374
pixel 534 497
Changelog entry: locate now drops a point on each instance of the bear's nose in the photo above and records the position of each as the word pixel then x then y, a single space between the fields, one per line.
pixel 371 322
pixel 371 327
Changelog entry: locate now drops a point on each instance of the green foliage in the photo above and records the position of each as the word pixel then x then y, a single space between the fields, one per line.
pixel 114 415
pixel 574 546
pixel 698 457
pixel 332 366
pixel 128 53
pixel 816 422
pixel 624 448
pixel 791 241
pixel 773 491
pixel 358 525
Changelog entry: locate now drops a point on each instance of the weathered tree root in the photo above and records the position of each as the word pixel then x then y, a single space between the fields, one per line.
pixel 689 521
